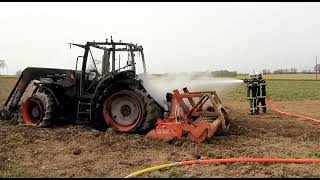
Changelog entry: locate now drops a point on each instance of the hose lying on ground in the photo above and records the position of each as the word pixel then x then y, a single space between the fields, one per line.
pixel 215 161
pixel 290 114
pixel 234 160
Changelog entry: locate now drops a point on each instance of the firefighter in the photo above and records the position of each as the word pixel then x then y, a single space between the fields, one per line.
pixel 252 85
pixel 261 93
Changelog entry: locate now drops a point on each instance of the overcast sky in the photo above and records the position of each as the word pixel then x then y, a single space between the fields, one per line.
pixel 177 37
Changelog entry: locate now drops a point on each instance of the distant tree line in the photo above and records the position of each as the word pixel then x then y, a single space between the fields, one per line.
pixel 291 71
pixel 286 71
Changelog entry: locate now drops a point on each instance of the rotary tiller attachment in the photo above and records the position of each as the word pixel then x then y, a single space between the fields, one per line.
pixel 199 120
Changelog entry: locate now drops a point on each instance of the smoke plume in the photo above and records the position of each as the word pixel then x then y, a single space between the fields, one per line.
pixel 158 85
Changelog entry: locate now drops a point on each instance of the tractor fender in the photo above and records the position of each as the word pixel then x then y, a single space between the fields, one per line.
pixel 48 89
pixel 113 79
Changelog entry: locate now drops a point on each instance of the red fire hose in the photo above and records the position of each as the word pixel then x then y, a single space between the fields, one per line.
pixel 290 114
pixel 234 160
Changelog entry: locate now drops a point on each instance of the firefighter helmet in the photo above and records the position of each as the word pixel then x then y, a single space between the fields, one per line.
pixel 251 75
pixel 258 75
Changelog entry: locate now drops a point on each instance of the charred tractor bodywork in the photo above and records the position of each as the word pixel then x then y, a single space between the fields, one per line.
pixel 113 96
pixel 109 96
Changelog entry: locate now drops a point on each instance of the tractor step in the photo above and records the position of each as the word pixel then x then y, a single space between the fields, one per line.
pixel 83 112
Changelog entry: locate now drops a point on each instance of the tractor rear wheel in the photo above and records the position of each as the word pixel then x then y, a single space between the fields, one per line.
pixel 38 110
pixel 131 111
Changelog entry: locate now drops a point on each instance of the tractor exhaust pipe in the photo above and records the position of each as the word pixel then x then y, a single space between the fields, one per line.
pixel 105 62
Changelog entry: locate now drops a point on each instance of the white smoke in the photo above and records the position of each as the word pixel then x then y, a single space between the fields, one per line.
pixel 158 86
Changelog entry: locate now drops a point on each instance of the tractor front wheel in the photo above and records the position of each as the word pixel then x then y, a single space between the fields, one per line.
pixel 38 110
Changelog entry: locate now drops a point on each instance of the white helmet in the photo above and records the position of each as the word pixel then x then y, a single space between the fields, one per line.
pixel 258 74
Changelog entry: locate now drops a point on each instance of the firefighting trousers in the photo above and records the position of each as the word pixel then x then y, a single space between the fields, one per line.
pixel 252 105
pixel 263 104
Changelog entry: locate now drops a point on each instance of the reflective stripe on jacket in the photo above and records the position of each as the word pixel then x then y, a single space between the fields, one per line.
pixel 261 89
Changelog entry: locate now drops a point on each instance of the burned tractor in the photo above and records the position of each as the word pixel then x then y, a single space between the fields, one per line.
pixel 113 96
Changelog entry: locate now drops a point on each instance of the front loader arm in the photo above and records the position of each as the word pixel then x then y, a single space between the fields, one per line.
pixel 28 75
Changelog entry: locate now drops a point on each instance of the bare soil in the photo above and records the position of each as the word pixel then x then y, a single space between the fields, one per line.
pixel 75 151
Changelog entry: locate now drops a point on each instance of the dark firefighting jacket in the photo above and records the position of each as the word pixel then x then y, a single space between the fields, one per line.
pixel 261 90
pixel 252 87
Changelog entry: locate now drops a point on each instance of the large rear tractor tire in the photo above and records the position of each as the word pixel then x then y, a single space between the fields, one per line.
pixel 39 110
pixel 131 111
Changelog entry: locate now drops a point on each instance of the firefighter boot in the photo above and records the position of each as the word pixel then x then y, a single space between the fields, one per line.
pixel 257 110
pixel 252 107
pixel 264 109
pixel 251 112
